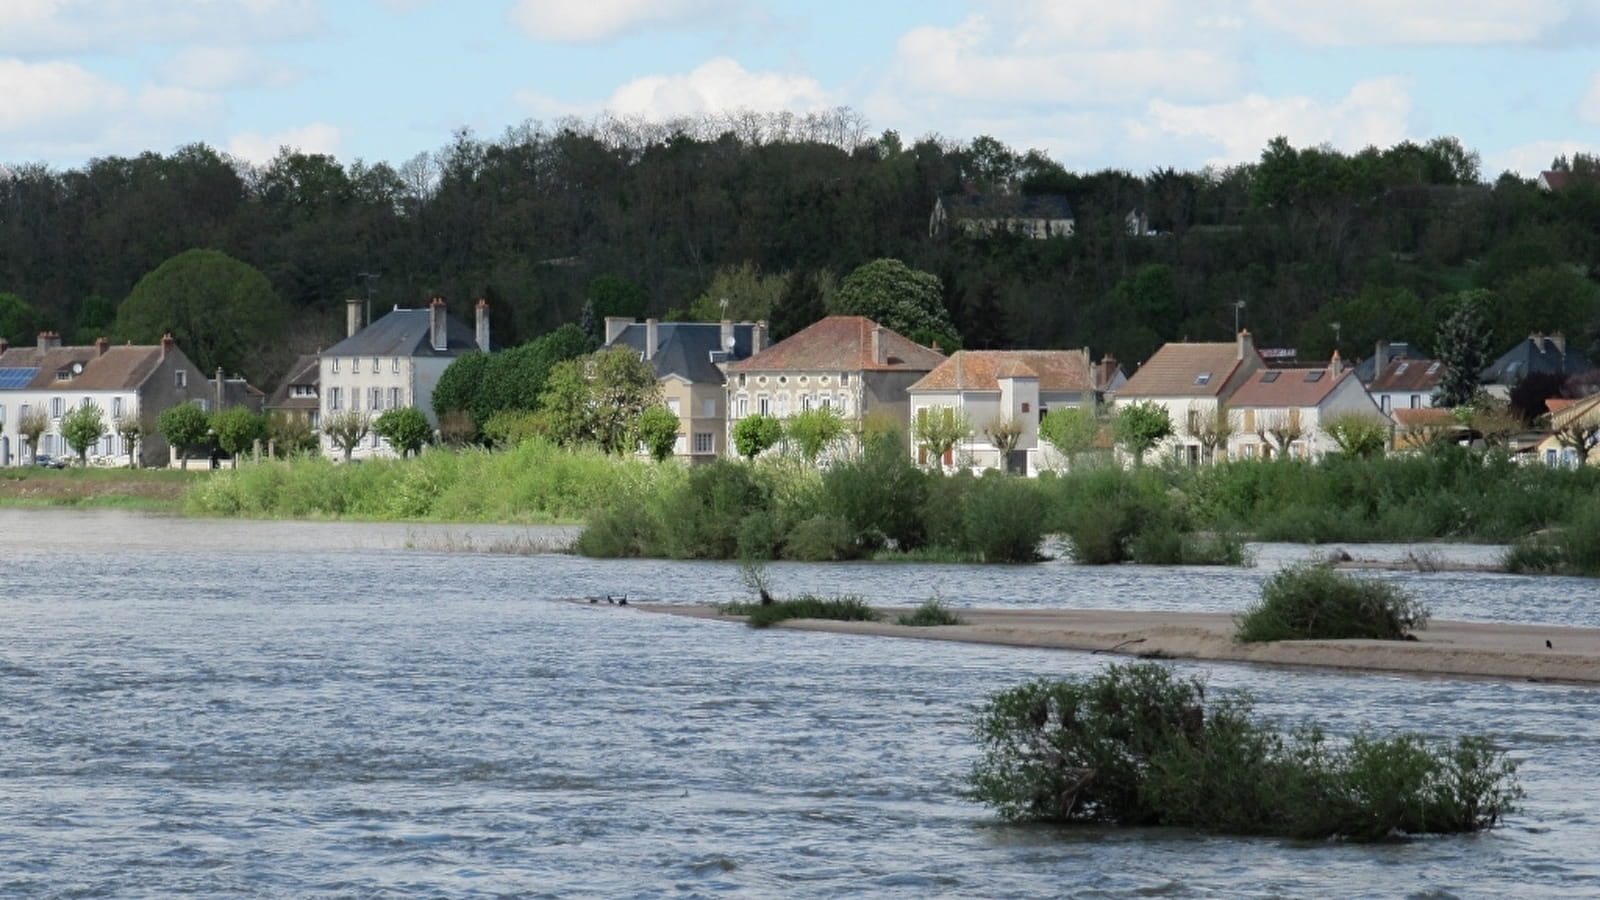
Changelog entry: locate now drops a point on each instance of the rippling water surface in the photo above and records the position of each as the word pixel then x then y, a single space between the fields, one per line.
pixel 307 709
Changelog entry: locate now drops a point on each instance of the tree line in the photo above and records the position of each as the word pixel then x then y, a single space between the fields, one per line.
pixel 763 216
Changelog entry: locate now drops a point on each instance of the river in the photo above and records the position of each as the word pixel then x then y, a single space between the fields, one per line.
pixel 234 708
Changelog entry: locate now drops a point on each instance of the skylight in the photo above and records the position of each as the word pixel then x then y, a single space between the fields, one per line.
pixel 1202 378
pixel 1314 375
pixel 1269 377
pixel 1433 369
pixel 1401 369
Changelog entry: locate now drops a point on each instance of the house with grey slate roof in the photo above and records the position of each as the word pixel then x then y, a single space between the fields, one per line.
pixel 690 361
pixel 393 363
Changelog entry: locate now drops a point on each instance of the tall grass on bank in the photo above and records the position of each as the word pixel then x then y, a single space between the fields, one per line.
pixel 534 482
pixel 806 606
pixel 1572 549
pixel 1313 602
pixel 1136 745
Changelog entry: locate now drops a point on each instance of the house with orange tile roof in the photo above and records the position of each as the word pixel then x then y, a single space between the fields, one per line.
pixel 128 383
pixel 1193 383
pixel 1574 436
pixel 1020 386
pixel 850 364
pixel 1283 412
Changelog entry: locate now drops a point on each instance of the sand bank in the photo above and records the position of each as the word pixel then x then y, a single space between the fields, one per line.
pixel 1445 648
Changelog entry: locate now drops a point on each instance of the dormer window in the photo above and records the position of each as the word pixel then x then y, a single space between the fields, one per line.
pixel 1202 378
pixel 1269 377
pixel 1401 369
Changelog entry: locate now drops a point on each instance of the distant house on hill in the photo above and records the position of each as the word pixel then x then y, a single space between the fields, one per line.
pixel 1537 354
pixel 1036 216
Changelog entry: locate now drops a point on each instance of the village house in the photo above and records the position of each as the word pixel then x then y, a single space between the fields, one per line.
pixel 1193 383
pixel 1019 387
pixel 1284 412
pixel 1537 355
pixel 133 383
pixel 1404 383
pixel 1574 437
pixel 297 394
pixel 690 360
pixel 1036 216
pixel 849 364
pixel 392 363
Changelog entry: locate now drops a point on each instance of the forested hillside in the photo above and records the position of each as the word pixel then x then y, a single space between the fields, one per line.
pixel 646 218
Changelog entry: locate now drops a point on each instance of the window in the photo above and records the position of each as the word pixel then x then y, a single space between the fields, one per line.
pixel 204 404
pixel 55 407
pixel 395 365
pixel 355 365
pixel 741 379
pixel 1194 421
pixel 744 406
pixel 375 398
pixel 702 442
pixel 1269 377
pixel 394 398
pixel 375 369
pixel 844 378
pixel 1026 407
pixel 85 403
pixel 116 408
pixel 374 439
pixel 1401 369
pixel 1433 369
pixel 783 405
pixel 180 378
pixel 827 401
pixel 674 406
pixel 1416 401
pixel 333 399
pixel 708 407
pixel 805 402
pixel 762 406
pixel 336 365
pixel 1202 378
pixel 1383 403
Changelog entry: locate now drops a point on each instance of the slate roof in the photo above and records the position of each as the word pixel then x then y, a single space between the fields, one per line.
pixel 1175 369
pixel 1287 388
pixel 406 332
pixel 844 344
pixel 1408 376
pixel 1367 369
pixel 1537 354
pixel 120 368
pixel 684 348
pixel 306 370
pixel 980 370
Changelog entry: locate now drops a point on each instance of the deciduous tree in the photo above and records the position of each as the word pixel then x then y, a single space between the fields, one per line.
pixel 184 426
pixel 1140 426
pixel 221 311
pixel 238 428
pixel 754 434
pixel 346 429
pixel 814 430
pixel 938 430
pixel 658 429
pixel 82 427
pixel 405 428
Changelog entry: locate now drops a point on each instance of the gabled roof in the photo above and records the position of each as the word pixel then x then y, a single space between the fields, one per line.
pixel 1538 354
pixel 684 348
pixel 406 332
pixel 844 344
pixel 981 370
pixel 1288 388
pixel 1565 412
pixel 305 371
pixel 1184 370
pixel 1408 376
pixel 122 367
pixel 1367 369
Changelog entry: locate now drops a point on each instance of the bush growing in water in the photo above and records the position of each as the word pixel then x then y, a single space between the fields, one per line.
pixel 1136 745
pixel 1313 602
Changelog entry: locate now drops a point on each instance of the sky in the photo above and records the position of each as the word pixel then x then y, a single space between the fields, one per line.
pixel 1128 84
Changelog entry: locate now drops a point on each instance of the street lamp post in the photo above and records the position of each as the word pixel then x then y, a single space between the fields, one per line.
pixel 369 277
pixel 1237 306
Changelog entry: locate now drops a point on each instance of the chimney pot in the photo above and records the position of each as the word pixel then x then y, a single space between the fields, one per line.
pixel 758 337
pixel 482 325
pixel 352 317
pixel 100 345
pixel 438 329
pixel 167 344
pixel 1247 344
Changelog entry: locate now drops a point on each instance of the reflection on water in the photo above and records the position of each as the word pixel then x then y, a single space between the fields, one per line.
pixel 313 709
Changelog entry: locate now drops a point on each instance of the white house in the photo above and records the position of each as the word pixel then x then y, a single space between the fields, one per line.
pixel 1191 381
pixel 1282 411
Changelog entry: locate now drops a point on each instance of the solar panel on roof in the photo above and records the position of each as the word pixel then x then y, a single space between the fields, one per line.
pixel 12 378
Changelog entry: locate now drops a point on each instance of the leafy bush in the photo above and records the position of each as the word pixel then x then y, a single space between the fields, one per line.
pixel 805 606
pixel 932 612
pixel 880 494
pixel 1167 546
pixel 821 538
pixel 1572 549
pixel 1135 745
pixel 1313 602
pixel 1003 519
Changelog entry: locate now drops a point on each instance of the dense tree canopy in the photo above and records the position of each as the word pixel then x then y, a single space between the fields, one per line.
pixel 222 312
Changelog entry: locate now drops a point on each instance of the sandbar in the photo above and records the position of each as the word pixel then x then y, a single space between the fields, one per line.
pixel 1458 649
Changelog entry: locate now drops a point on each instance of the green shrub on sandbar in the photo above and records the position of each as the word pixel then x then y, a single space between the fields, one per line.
pixel 1138 746
pixel 805 606
pixel 932 612
pixel 1573 549
pixel 1313 602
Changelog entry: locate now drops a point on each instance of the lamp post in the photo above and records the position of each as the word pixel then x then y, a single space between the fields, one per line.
pixel 1237 306
pixel 369 277
pixel 1336 333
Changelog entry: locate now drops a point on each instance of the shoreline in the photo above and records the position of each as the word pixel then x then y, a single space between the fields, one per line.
pixel 1505 651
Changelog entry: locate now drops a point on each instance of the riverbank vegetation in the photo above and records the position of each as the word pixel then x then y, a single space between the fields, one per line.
pixel 92 487
pixel 765 614
pixel 1313 602
pixel 1571 549
pixel 1137 745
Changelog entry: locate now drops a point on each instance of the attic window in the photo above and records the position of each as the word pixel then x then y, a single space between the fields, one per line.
pixel 1433 368
pixel 1202 378
pixel 1315 375
pixel 1401 369
pixel 1269 377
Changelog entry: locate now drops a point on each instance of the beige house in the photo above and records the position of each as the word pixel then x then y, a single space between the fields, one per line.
pixel 1036 216
pixel 1015 386
pixel 850 364
pixel 1283 411
pixel 1192 382
pixel 691 361
pixel 128 382
pixel 1575 421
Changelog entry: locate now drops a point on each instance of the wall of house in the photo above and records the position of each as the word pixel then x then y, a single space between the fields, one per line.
pixel 786 393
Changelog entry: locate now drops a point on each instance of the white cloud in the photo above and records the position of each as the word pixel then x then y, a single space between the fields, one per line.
pixel 40 27
pixel 1373 112
pixel 54 95
pixel 720 85
pixel 1528 160
pixel 580 21
pixel 1589 104
pixel 318 137
pixel 224 68
pixel 1365 22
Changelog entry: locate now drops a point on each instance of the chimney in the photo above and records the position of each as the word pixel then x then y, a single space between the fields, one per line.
pixel 1560 342
pixel 1247 344
pixel 49 340
pixel 4 346
pixel 725 338
pixel 615 326
pixel 1108 370
pixel 758 337
pixel 1335 365
pixel 649 339
pixel 880 346
pixel 438 329
pixel 352 317
pixel 1380 358
pixel 220 383
pixel 482 325
pixel 100 345
pixel 167 344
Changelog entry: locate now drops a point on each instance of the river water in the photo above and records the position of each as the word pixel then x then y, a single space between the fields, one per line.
pixel 274 709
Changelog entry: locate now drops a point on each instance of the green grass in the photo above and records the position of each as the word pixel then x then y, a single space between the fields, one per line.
pixel 805 606
pixel 932 613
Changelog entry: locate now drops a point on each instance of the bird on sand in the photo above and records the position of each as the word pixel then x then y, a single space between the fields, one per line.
pixel 1548 645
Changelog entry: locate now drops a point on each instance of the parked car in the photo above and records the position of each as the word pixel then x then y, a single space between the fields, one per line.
pixel 49 462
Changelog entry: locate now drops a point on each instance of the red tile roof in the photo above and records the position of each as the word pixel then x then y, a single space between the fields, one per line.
pixel 980 370
pixel 1176 370
pixel 1288 388
pixel 1425 417
pixel 1408 376
pixel 841 343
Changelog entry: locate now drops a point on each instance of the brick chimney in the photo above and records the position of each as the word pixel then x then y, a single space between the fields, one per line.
pixel 167 344
pixel 352 317
pixel 100 346
pixel 1247 344
pixel 1335 366
pixel 758 337
pixel 1107 371
pixel 438 327
pixel 4 346
pixel 49 340
pixel 481 325
pixel 650 339
pixel 880 346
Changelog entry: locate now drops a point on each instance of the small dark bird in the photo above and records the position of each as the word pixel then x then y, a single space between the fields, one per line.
pixel 623 601
pixel 1548 645
pixel 766 598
